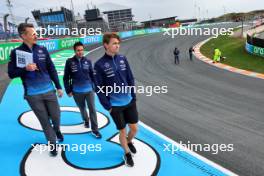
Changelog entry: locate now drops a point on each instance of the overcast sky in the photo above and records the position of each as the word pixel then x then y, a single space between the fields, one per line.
pixel 144 9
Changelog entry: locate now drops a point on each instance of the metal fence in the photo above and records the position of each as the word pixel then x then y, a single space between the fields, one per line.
pixel 8 26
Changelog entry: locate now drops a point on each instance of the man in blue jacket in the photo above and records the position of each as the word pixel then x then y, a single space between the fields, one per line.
pixel 79 82
pixel 32 63
pixel 112 71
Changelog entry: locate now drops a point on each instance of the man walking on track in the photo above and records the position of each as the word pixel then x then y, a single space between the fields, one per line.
pixel 191 50
pixel 112 70
pixel 32 63
pixel 79 82
pixel 176 53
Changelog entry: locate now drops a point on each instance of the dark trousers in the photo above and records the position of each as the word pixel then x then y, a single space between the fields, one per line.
pixel 191 56
pixel 176 59
pixel 46 108
pixel 81 99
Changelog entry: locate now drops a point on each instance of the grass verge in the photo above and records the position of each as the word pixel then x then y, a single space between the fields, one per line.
pixel 234 50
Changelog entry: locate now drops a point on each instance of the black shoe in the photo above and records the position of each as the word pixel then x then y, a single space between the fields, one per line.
pixel 86 124
pixel 132 148
pixel 59 136
pixel 97 134
pixel 53 149
pixel 128 160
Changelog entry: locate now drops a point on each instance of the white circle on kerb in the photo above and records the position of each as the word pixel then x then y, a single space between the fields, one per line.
pixel 36 163
pixel 29 119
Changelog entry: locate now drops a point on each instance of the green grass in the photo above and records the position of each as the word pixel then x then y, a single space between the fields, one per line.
pixel 234 50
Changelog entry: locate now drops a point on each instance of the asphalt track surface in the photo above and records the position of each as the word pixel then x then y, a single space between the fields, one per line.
pixel 204 104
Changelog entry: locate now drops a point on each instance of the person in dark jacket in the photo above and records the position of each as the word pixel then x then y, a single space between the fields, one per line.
pixel 113 71
pixel 191 50
pixel 176 53
pixel 79 82
pixel 32 63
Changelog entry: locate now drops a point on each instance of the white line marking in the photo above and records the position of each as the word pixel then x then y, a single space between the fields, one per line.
pixel 200 157
pixel 122 40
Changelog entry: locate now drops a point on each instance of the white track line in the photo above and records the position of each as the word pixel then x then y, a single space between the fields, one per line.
pixel 198 156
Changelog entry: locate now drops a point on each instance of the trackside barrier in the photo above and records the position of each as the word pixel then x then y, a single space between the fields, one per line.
pixel 58 44
pixel 254 50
